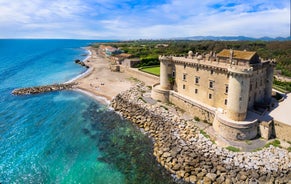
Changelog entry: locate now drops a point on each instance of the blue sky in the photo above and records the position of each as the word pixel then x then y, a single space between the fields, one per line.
pixel 143 19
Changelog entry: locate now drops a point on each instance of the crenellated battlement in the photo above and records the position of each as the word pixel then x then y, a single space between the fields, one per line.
pixel 233 81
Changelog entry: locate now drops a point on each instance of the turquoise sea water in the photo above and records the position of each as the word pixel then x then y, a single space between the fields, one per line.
pixel 64 137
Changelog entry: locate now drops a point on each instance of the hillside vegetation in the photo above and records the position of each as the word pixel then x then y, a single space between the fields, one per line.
pixel 148 51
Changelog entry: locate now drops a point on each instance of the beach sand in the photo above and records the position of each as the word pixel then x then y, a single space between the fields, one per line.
pixel 100 81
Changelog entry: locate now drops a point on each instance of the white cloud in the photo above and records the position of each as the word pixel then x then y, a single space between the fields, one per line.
pixel 120 19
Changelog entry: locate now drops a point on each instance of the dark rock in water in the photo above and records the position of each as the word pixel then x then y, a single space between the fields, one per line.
pixel 93 136
pixel 78 61
pixel 125 147
pixel 86 131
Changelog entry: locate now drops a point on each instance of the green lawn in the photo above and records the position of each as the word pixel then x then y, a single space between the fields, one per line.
pixel 152 70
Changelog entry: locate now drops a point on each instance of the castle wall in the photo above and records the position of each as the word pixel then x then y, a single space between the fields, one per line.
pixel 261 84
pixel 201 91
pixel 235 131
pixel 160 94
pixel 282 131
pixel 148 79
pixel 269 83
pixel 238 96
pixel 165 70
pixel 257 86
pixel 193 108
pixel 211 82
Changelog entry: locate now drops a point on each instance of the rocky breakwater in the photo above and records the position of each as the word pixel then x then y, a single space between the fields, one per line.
pixel 183 151
pixel 43 89
pixel 82 63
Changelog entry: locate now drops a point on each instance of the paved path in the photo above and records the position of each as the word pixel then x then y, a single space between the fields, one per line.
pixel 245 146
pixel 282 112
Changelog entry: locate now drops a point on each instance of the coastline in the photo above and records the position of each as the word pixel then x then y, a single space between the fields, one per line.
pixel 182 149
pixel 100 99
pixel 102 84
pixel 86 72
pixel 98 81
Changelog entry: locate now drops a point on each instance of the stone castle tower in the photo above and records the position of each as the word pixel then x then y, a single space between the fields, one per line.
pixel 231 82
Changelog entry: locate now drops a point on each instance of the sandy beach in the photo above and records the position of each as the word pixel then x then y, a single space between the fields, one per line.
pixel 99 81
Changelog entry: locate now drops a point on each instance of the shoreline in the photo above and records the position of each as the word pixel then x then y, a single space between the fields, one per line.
pixel 98 81
pixel 100 99
pixel 182 149
pixel 167 149
pixel 84 74
pixel 87 71
pixel 169 131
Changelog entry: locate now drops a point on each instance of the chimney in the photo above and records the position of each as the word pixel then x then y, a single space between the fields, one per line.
pixel 231 55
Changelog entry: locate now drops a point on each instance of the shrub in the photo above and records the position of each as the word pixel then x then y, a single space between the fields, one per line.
pixel 275 143
pixel 196 118
pixel 233 149
pixel 204 134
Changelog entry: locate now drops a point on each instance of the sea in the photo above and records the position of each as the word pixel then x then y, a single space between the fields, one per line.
pixel 65 136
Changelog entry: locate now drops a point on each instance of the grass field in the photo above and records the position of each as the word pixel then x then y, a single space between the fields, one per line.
pixel 155 70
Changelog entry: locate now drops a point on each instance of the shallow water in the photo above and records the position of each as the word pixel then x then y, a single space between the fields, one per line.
pixel 64 137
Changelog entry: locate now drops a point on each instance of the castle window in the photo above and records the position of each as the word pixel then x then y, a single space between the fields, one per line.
pixel 225 101
pixel 211 84
pixel 173 74
pixel 251 87
pixel 184 87
pixel 196 91
pixel 211 72
pixel 197 80
pixel 197 68
pixel 184 76
pixel 240 99
pixel 184 66
pixel 261 82
pixel 210 96
pixel 226 89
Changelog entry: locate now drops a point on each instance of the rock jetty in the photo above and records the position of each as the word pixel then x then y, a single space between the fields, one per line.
pixel 184 152
pixel 43 89
pixel 78 61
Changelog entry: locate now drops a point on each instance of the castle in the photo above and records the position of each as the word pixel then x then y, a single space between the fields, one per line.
pixel 225 86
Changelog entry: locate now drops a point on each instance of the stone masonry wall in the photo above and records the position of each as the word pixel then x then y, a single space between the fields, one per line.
pixel 141 75
pixel 183 151
pixel 282 131
pixel 195 110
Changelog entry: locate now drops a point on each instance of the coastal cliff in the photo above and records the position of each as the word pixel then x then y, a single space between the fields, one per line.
pixel 185 152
